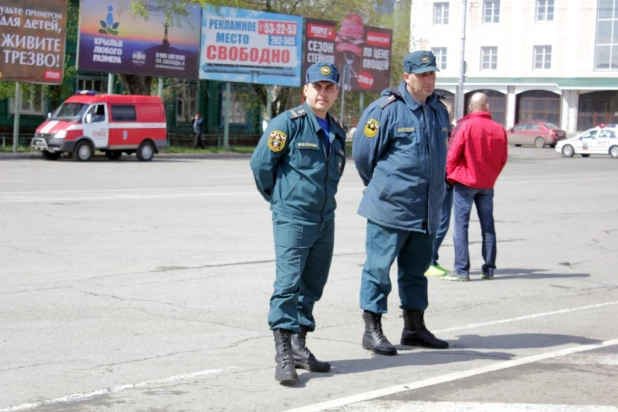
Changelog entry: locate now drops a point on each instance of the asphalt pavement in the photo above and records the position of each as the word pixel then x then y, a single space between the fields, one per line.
pixel 144 286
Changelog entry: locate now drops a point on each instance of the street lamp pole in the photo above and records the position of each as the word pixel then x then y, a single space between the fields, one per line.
pixel 459 107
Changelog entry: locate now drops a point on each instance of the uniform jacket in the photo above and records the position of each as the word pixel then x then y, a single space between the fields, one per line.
pixel 400 153
pixel 197 125
pixel 478 152
pixel 291 169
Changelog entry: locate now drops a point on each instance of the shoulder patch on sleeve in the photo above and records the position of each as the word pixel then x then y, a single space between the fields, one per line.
pixel 276 140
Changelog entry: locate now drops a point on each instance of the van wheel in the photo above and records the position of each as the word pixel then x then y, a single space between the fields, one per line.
pixel 50 155
pixel 113 155
pixel 539 142
pixel 83 151
pixel 145 152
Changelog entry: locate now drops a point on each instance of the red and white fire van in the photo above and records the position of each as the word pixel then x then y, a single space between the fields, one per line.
pixel 111 123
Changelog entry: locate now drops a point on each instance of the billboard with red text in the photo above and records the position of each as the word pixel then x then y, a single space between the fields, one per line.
pixel 33 40
pixel 250 46
pixel 362 53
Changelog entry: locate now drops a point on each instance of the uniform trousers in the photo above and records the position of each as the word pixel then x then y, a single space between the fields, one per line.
pixel 303 253
pixel 413 252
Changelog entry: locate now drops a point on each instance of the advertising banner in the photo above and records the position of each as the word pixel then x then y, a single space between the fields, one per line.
pixel 32 40
pixel 112 40
pixel 362 53
pixel 250 46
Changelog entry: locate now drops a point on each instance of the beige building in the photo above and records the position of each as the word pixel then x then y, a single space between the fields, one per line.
pixel 553 60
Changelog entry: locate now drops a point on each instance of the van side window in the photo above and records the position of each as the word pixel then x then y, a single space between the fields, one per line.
pixel 123 112
pixel 98 113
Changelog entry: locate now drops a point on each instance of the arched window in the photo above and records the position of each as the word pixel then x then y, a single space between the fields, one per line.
pixel 538 105
pixel 596 108
pixel 497 104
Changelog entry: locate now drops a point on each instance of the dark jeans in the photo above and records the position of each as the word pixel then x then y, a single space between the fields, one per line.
pixel 197 142
pixel 445 221
pixel 463 197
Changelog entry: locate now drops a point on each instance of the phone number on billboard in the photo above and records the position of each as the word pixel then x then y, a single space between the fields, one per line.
pixel 277 27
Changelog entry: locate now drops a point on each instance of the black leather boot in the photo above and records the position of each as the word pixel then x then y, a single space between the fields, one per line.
pixel 285 371
pixel 373 338
pixel 415 333
pixel 303 358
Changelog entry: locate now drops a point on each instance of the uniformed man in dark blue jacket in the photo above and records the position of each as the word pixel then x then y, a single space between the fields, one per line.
pixel 297 166
pixel 400 153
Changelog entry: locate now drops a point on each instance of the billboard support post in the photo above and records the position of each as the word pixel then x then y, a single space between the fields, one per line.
pixel 160 88
pixel 110 83
pixel 17 110
pixel 269 103
pixel 342 104
pixel 226 117
pixel 361 102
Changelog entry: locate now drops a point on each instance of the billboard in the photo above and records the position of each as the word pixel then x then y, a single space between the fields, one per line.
pixel 32 43
pixel 362 53
pixel 112 40
pixel 250 46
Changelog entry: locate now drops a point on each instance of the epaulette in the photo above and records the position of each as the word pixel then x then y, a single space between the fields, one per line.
pixel 439 95
pixel 393 94
pixel 298 112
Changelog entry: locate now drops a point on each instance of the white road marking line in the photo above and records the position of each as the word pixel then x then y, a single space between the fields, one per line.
pixel 451 377
pixel 76 397
pixel 418 406
pixel 586 359
pixel 536 315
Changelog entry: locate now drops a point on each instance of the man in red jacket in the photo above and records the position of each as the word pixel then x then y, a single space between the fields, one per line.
pixel 475 159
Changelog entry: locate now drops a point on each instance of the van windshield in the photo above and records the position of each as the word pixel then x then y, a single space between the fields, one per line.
pixel 70 111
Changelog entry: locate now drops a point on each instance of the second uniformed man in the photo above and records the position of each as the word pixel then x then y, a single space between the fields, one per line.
pixel 297 166
pixel 400 154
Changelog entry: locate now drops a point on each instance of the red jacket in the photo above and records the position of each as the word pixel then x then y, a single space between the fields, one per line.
pixel 478 152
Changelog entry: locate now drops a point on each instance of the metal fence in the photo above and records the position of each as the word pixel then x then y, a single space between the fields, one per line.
pixel 22 142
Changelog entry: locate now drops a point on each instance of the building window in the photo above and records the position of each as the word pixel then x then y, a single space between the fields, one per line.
pixel 440 53
pixel 489 58
pixel 239 107
pixel 542 57
pixel 544 10
pixel 186 105
pixel 491 11
pixel 32 99
pixel 440 13
pixel 92 84
pixel 606 50
pixel 538 105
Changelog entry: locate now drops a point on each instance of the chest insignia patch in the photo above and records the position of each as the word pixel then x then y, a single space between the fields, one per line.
pixel 276 140
pixel 371 128
pixel 405 129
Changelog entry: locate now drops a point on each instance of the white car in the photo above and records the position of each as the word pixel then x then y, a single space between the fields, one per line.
pixel 598 140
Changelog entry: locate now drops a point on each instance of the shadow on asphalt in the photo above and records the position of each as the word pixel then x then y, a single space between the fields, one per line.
pixel 461 350
pixel 514 273
pixel 407 356
pixel 518 341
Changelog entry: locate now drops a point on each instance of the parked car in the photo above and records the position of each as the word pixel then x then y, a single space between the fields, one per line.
pixel 538 133
pixel 602 139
